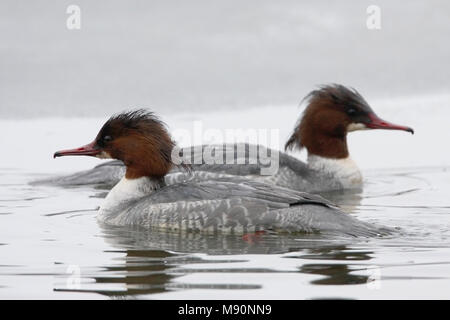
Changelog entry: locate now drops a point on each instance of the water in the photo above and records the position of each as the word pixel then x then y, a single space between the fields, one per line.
pixel 255 61
pixel 51 245
pixel 48 235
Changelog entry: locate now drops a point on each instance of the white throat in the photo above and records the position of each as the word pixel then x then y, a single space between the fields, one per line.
pixel 127 190
pixel 344 170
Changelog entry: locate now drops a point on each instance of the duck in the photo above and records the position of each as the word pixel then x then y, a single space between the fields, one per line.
pixel 331 113
pixel 237 205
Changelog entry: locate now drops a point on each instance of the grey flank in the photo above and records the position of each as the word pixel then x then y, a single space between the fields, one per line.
pixel 247 162
pixel 224 206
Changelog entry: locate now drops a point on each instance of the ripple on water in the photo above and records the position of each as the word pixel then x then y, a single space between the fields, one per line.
pixel 50 230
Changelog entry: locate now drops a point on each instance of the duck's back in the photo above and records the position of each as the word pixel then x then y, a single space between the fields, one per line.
pixel 227 206
pixel 221 161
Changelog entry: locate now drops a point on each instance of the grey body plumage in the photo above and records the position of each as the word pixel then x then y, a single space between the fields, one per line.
pixel 292 173
pixel 226 191
pixel 236 207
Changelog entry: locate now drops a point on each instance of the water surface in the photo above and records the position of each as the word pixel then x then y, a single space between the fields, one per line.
pixel 255 62
pixel 51 246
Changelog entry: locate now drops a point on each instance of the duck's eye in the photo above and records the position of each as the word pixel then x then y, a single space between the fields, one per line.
pixel 107 138
pixel 351 111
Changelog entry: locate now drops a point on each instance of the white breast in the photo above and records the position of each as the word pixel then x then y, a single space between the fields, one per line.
pixel 344 170
pixel 124 191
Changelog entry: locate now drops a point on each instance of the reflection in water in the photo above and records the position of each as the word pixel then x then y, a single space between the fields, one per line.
pixel 151 261
pixel 335 274
pixel 338 253
pixel 152 271
pixel 212 244
pixel 129 262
